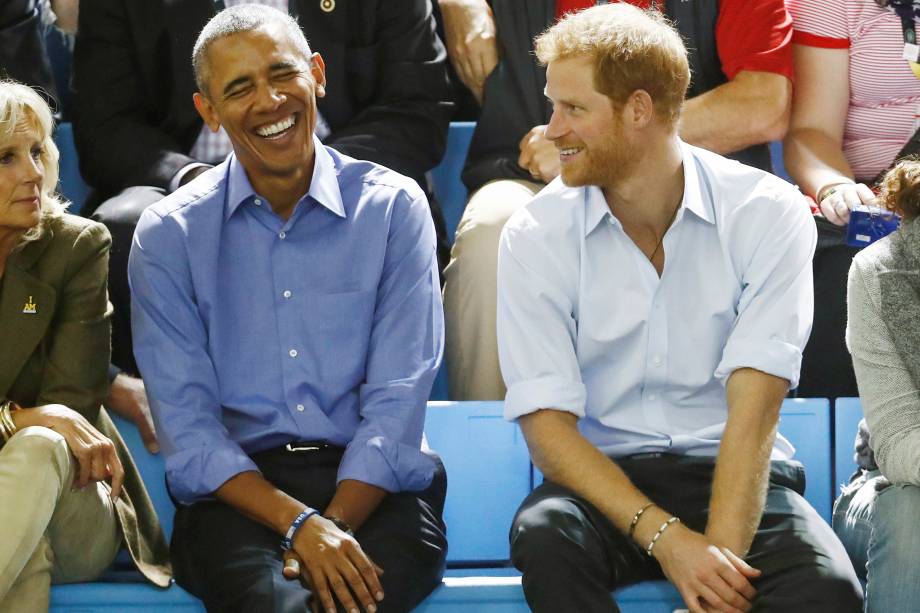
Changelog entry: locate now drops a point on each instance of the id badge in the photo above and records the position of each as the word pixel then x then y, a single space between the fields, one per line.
pixel 870 223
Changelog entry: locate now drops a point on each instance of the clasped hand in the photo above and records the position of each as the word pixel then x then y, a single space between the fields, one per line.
pixel 330 562
pixel 708 577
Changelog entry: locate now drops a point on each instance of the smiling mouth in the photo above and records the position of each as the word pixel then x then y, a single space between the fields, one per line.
pixel 277 129
pixel 568 153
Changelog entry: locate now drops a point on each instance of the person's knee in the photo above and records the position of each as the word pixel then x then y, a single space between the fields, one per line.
pixel 125 208
pixel 550 530
pixel 37 445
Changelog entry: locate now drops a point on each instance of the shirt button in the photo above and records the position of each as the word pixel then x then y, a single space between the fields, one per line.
pixel 300 407
pixel 282 235
pixel 656 360
pixel 287 293
pixel 257 202
pixel 653 397
pixel 292 353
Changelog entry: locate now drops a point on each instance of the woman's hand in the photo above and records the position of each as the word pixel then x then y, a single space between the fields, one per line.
pixel 837 200
pixel 96 457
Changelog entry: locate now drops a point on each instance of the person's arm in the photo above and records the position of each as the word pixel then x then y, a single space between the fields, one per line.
pixel 750 109
pixel 405 347
pixel 404 124
pixel 128 397
pixel 890 398
pixel 536 334
pixel 739 486
pixel 813 148
pixel 469 28
pixel 118 143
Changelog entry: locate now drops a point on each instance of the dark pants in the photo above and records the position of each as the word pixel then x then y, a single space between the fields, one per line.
pixel 120 215
pixel 572 556
pixel 827 369
pixel 234 563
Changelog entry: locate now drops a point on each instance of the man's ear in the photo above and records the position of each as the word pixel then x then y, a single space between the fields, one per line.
pixel 206 110
pixel 318 70
pixel 639 109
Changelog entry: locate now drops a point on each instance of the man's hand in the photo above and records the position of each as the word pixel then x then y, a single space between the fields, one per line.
pixel 708 578
pixel 128 398
pixel 539 155
pixel 333 560
pixel 470 32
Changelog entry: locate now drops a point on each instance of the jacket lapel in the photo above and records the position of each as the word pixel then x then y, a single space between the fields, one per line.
pixel 26 309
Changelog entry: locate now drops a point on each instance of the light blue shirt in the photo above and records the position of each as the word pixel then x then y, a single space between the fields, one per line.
pixel 252 332
pixel 585 325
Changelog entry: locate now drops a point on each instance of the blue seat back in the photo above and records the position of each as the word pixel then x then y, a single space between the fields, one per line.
pixel 806 423
pixel 153 471
pixel 847 413
pixel 70 183
pixel 488 475
pixel 447 184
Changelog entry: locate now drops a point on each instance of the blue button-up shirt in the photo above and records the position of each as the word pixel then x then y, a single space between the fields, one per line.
pixel 585 324
pixel 252 332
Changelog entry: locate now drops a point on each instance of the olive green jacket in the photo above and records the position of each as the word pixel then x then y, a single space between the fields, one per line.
pixel 55 347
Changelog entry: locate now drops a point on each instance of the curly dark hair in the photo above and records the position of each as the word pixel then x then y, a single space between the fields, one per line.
pixel 901 188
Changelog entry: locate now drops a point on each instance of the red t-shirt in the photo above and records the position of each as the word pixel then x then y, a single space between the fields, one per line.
pixel 750 34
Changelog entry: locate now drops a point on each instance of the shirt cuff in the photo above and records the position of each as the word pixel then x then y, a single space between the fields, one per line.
pixel 774 357
pixel 557 393
pixel 195 474
pixel 176 181
pixel 387 464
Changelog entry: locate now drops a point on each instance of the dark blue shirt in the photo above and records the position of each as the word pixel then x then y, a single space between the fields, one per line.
pixel 252 332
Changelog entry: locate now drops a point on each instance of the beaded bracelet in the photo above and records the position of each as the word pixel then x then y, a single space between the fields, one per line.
pixel 287 541
pixel 658 534
pixel 635 519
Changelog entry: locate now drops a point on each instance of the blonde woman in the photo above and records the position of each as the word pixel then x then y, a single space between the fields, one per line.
pixel 71 496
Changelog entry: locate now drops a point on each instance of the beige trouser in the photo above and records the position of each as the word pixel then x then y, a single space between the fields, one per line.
pixel 49 531
pixel 470 289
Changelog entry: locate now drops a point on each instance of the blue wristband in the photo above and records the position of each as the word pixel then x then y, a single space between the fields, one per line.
pixel 287 541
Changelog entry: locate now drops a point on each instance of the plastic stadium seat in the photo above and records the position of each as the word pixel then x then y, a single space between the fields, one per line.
pixel 488 474
pixel 70 182
pixel 449 189
pixel 847 413
pixel 121 598
pixel 806 423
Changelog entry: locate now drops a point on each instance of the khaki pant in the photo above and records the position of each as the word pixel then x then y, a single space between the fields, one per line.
pixel 49 531
pixel 470 289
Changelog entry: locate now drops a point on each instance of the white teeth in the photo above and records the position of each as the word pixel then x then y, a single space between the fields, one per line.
pixel 569 151
pixel 275 128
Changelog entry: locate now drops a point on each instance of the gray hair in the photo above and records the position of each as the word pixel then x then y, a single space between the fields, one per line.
pixel 21 105
pixel 237 19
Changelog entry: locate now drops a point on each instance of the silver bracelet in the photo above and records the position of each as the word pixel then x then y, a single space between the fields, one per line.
pixel 635 519
pixel 7 427
pixel 664 526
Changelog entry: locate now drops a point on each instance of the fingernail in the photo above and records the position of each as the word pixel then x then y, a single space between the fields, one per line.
pixel 379 596
pixel 371 608
pixel 354 610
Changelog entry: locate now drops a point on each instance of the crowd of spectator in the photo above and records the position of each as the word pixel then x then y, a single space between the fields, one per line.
pixel 257 277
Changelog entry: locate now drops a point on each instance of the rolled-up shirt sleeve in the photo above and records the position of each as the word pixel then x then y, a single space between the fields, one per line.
pixel 777 298
pixel 170 345
pixel 406 344
pixel 536 325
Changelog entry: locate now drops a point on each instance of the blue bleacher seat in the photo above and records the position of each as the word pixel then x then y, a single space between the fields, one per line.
pixel 488 474
pixel 847 413
pixel 806 423
pixel 447 185
pixel 70 182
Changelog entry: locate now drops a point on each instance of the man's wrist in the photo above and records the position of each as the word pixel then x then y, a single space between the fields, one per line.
pixel 287 540
pixel 341 524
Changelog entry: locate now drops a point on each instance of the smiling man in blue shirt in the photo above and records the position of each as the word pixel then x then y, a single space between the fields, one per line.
pixel 288 325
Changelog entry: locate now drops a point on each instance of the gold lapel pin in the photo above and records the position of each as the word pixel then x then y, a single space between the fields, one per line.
pixel 327 5
pixel 30 307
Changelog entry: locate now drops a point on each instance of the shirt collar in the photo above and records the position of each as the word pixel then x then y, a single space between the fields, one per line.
pixel 324 185
pixel 597 209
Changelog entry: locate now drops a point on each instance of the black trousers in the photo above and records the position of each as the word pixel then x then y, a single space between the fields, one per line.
pixel 234 563
pixel 827 369
pixel 120 215
pixel 572 556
